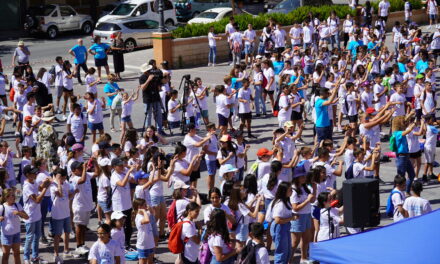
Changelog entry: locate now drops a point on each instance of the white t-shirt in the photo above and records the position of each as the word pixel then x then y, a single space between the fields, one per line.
pixel 229 29
pixel 60 205
pixel 269 73
pixel 191 150
pixel 204 101
pixel 121 199
pixel 43 175
pixel 250 35
pixel 212 146
pixel 211 40
pixel 244 94
pixel 307 34
pixel 32 209
pixel 2 85
pixel 77 125
pixel 91 88
pixel 397 199
pixel 173 117
pixel 416 206
pixel 358 170
pixel 96 116
pixel 105 253
pixel 28 141
pixel 367 99
pixel 432 7
pixel 280 210
pixel 119 237
pixel 296 33
pixel 283 114
pixel 82 201
pixel 28 109
pixel 400 108
pixel 280 38
pixel 127 108
pixel 377 88
pixel 215 240
pixel 145 238
pixel 58 75
pixel 11 222
pixel 210 208
pixel 324 230
pixel 221 102
pixel 191 250
pixel 142 193
pixel 383 8
pixel 298 199
pixel 103 182
pixel 67 82
pixel 180 165
pixel 431 138
pixel 351 102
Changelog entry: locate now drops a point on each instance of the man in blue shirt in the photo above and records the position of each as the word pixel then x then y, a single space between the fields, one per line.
pixel 323 125
pixel 79 53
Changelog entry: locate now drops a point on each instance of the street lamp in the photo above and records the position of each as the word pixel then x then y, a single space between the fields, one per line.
pixel 158 5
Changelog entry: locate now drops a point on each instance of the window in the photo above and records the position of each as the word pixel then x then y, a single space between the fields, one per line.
pixel 67 11
pixel 228 14
pixel 107 27
pixel 123 9
pixel 142 9
pixel 150 24
pixel 135 24
pixel 168 5
pixel 211 15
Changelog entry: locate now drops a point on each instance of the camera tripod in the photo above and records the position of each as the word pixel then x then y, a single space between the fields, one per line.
pixel 187 88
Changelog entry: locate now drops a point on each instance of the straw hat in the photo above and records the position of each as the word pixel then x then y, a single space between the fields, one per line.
pixel 145 67
pixel 48 116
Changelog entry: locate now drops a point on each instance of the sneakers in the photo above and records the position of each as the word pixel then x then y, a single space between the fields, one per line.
pixel 58 260
pixel 209 64
pixel 81 250
pixel 213 65
pixel 44 241
pixel 58 111
pixel 433 177
pixel 67 255
pixel 424 178
pixel 300 142
pixel 64 118
pixel 7 117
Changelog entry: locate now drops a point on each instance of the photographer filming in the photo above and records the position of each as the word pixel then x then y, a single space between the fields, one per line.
pixel 151 81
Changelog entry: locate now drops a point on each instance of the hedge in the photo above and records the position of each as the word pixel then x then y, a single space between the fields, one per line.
pixel 297 15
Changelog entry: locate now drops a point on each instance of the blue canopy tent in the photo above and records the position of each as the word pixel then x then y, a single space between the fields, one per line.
pixel 413 240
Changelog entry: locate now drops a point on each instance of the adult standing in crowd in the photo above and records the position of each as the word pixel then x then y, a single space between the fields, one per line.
pixel 79 53
pixel 229 29
pixel 47 140
pixel 384 8
pixel 21 54
pixel 99 51
pixel 118 54
pixel 151 82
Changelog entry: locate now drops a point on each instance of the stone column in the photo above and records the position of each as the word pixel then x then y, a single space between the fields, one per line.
pixel 162 49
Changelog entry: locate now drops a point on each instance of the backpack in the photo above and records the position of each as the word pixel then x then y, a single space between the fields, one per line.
pixel 390 206
pixel 172 215
pixel 236 47
pixel 276 108
pixel 393 143
pixel 205 254
pixel 175 243
pixel 264 82
pixel 349 172
pixel 247 255
pixel 233 226
pixel 52 70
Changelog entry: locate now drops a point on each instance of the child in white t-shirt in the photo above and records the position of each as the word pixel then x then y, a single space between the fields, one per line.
pixel 174 114
pixel 212 46
pixel 117 233
pixel 430 145
pixel 127 108
pixel 327 231
pixel 145 240
pixel 398 198
pixel 91 82
pixel 416 205
pixel 244 106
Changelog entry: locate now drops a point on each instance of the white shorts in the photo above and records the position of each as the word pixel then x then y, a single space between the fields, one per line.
pixel 81 217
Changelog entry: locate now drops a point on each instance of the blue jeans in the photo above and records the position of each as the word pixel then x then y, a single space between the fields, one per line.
pixel 212 54
pixel 33 233
pixel 283 242
pixel 334 39
pixel 46 206
pixel 156 109
pixel 259 100
pixel 404 165
pixel 228 261
pixel 324 133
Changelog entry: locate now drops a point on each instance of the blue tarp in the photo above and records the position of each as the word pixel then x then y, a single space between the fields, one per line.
pixel 413 240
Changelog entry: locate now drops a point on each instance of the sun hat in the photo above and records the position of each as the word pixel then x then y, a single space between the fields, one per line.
pixel 145 67
pixel 48 116
pixel 299 171
pixel 141 175
pixel 227 168
pixel 77 147
pixel 20 43
pixel 289 124
pixel 180 185
pixel 104 162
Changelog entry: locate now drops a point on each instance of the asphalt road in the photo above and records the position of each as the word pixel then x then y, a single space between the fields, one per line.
pixel 262 127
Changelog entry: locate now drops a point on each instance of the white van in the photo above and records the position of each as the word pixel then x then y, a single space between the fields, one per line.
pixel 144 9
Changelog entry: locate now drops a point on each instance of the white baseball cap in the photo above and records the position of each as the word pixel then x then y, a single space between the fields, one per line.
pixel 117 215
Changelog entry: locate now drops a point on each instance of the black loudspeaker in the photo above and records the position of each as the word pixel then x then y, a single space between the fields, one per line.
pixel 361 202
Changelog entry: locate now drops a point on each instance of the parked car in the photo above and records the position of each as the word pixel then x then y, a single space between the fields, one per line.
pixel 51 19
pixel 143 9
pixel 108 8
pixel 212 15
pixel 136 32
pixel 287 6
pixel 187 9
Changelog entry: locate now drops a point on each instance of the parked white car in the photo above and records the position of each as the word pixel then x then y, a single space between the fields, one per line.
pixel 142 9
pixel 51 19
pixel 136 32
pixel 211 15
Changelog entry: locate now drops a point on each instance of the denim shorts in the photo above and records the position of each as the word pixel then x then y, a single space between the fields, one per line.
pixel 316 212
pixel 145 253
pixel 248 49
pixel 204 113
pixel 242 232
pixel 302 224
pixel 94 127
pixel 211 166
pixel 60 226
pixel 104 207
pixel 126 119
pixel 432 16
pixel 156 200
pixel 8 240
